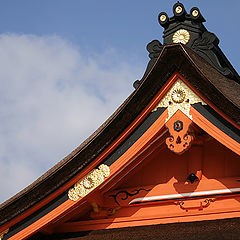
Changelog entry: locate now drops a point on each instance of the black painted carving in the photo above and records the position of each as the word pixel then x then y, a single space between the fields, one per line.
pixel 178 125
pixel 127 194
pixel 154 48
pixel 203 42
pixel 192 178
pixel 207 47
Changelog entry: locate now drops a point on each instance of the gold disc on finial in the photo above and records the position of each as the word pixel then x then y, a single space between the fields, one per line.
pixel 195 13
pixel 163 18
pixel 181 36
pixel 178 9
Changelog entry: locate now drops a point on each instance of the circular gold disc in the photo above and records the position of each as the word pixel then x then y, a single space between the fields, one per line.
pixel 163 18
pixel 178 9
pixel 178 96
pixel 195 13
pixel 181 36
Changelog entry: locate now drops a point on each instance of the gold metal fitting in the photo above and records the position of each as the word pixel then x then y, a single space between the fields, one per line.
pixel 178 9
pixel 195 13
pixel 163 18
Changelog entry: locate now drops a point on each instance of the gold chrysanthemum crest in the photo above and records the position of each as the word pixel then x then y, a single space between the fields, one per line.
pixel 181 36
pixel 180 96
pixel 89 182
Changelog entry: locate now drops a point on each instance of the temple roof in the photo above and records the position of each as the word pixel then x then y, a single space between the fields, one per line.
pixel 213 78
pixel 216 88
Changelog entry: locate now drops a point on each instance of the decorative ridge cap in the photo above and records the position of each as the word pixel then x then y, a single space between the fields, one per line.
pixel 188 29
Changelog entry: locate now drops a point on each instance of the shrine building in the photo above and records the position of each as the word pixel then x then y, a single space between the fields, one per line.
pixel 165 165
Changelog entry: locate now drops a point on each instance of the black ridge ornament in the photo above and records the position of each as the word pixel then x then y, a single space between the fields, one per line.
pixel 188 29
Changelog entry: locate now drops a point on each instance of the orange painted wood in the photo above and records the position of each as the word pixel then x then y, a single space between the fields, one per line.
pixel 178 126
pixel 217 162
pixel 141 145
pixel 158 214
pixel 195 160
pixel 76 227
pixel 213 131
pixel 172 187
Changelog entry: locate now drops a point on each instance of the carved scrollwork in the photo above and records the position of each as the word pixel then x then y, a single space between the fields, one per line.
pixel 154 48
pixel 207 48
pixel 179 140
pixel 206 203
pixel 125 194
pixel 179 97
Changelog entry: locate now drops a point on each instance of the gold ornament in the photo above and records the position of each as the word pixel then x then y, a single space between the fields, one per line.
pixel 89 182
pixel 178 9
pixel 195 13
pixel 181 36
pixel 72 194
pixel 105 170
pixel 3 233
pixel 179 97
pixel 163 18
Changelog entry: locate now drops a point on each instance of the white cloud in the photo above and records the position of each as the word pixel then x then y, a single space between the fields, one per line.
pixel 51 98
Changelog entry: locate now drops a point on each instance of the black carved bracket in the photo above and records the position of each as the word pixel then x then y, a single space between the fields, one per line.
pixel 207 47
pixel 154 48
pixel 127 194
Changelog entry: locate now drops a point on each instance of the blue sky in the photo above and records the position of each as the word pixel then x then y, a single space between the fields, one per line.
pixel 65 66
pixel 125 25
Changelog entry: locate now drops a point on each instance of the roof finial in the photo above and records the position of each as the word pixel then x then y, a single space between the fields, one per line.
pixel 188 29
